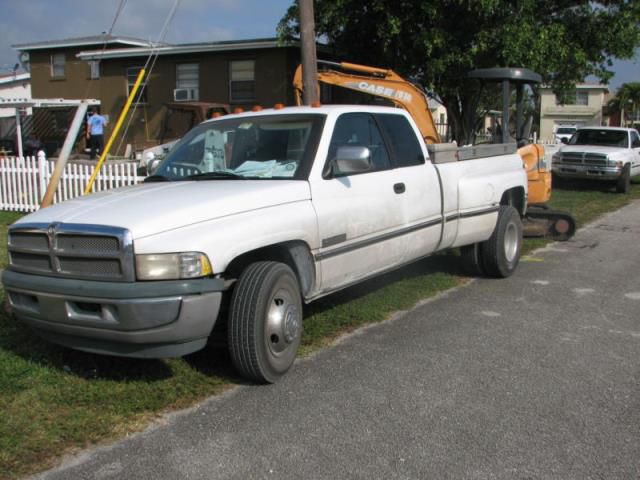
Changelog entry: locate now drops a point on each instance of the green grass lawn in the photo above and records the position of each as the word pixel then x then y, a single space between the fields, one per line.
pixel 6 219
pixel 54 400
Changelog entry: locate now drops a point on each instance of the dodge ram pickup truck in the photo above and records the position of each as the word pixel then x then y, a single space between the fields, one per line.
pixel 600 153
pixel 247 218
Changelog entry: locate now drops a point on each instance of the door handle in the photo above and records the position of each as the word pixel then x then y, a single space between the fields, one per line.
pixel 399 188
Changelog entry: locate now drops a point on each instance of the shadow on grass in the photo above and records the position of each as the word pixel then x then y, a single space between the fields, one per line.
pixel 214 359
pixel 447 263
pixel 18 339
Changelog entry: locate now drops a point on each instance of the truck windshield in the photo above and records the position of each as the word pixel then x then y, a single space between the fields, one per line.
pixel 604 138
pixel 565 131
pixel 255 147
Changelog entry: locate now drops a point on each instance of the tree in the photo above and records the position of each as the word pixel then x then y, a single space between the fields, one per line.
pixel 627 100
pixel 435 43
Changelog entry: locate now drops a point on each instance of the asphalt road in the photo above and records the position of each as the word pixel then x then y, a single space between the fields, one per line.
pixel 537 376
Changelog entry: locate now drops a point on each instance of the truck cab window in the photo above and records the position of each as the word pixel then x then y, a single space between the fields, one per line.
pixel 256 147
pixel 359 130
pixel 405 146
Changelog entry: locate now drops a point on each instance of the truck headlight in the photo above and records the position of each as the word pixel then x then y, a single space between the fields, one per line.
pixel 615 163
pixel 172 266
pixel 556 157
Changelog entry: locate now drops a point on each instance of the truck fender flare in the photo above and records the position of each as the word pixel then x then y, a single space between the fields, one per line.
pixel 295 253
pixel 516 198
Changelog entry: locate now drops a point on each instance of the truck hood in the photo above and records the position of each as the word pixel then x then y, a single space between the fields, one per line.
pixel 148 209
pixel 591 149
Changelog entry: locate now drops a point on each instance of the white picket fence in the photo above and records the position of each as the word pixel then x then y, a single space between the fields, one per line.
pixel 24 180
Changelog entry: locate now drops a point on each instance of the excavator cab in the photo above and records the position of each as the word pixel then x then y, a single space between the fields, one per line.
pixel 541 220
pixel 511 78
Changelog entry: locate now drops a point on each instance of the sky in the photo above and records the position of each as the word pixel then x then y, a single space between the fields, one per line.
pixel 28 21
pixel 25 21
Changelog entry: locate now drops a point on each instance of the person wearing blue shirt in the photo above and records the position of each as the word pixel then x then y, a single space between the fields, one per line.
pixel 95 132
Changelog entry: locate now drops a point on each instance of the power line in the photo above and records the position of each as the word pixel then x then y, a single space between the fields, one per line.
pixel 106 39
pixel 151 62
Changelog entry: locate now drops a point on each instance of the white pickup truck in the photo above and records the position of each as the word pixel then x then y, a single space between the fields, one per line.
pixel 563 133
pixel 251 215
pixel 600 153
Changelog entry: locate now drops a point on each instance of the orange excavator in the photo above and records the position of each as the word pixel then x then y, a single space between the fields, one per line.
pixel 540 221
pixel 379 83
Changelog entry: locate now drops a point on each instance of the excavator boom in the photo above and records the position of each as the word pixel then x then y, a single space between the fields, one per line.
pixel 379 83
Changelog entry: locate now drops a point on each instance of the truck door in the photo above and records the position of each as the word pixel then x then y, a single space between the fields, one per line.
pixel 357 213
pixel 421 200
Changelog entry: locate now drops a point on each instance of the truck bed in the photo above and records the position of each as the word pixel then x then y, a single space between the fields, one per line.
pixel 450 152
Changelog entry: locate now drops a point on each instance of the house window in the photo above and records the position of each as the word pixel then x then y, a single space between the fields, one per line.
pixel 187 81
pixel 57 65
pixel 242 81
pixel 132 75
pixel 94 69
pixel 576 97
pixel 582 98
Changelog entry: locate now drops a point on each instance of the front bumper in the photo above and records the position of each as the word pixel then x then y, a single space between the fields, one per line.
pixel 138 319
pixel 570 170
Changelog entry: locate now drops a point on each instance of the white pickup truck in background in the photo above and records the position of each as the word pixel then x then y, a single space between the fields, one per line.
pixel 251 215
pixel 563 132
pixel 600 153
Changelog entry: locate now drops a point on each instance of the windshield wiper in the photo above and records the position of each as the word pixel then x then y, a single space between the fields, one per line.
pixel 156 178
pixel 215 176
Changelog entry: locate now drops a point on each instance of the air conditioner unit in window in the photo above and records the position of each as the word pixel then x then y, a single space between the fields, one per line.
pixel 185 94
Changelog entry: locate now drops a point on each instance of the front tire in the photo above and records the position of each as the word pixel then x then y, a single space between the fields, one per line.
pixel 623 185
pixel 501 253
pixel 265 321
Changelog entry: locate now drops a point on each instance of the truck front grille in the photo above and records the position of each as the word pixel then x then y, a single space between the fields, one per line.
pixel 91 267
pixel 32 241
pixel 31 261
pixel 579 158
pixel 595 159
pixel 92 252
pixel 89 243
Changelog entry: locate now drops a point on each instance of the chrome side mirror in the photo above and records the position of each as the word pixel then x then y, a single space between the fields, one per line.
pixel 352 160
pixel 153 165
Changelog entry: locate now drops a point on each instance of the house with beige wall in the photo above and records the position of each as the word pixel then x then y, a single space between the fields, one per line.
pixel 581 107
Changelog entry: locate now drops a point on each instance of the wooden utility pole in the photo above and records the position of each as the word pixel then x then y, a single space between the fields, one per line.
pixel 308 51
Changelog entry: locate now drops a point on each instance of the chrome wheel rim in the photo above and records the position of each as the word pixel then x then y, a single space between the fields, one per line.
pixel 511 241
pixel 284 322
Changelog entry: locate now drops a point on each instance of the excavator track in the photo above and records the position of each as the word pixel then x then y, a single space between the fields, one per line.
pixel 542 221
